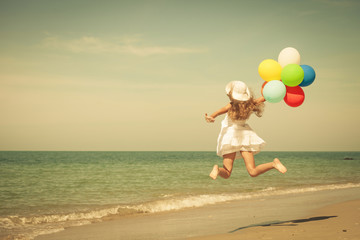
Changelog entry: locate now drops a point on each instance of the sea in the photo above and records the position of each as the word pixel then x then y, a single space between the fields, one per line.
pixel 46 192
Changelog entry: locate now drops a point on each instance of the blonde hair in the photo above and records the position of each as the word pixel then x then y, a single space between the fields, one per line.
pixel 241 110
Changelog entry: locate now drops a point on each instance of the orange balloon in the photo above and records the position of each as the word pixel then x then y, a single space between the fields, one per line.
pixel 262 88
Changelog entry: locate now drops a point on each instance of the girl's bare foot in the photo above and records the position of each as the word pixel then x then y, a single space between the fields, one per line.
pixel 279 166
pixel 214 173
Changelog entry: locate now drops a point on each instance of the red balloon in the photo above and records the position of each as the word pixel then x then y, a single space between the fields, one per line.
pixel 294 96
pixel 262 88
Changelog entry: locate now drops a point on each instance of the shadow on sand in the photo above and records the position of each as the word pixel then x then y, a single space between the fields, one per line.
pixel 284 223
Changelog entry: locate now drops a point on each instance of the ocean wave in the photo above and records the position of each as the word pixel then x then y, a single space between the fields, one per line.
pixel 27 228
pixel 209 199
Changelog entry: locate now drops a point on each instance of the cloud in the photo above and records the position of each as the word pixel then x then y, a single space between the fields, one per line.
pixel 127 45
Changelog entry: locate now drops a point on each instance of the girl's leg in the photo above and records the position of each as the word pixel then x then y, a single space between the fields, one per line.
pixel 226 170
pixel 255 171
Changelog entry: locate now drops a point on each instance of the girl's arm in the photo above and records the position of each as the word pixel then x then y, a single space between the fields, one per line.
pixel 260 100
pixel 221 111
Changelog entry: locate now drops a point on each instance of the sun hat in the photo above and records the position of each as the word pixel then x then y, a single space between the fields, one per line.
pixel 238 90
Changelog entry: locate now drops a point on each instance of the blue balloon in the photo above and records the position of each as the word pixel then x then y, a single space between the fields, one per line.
pixel 309 75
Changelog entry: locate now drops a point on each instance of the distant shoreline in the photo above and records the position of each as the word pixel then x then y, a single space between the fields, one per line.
pixel 165 151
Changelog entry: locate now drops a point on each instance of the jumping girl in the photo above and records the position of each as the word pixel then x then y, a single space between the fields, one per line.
pixel 236 138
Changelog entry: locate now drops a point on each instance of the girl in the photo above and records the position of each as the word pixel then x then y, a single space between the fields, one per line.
pixel 236 138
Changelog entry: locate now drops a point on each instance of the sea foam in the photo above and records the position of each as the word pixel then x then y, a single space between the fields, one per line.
pixel 208 199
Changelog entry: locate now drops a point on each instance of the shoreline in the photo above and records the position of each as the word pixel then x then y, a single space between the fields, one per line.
pixel 209 221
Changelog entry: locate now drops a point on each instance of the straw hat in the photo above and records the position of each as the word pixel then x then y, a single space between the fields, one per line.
pixel 238 90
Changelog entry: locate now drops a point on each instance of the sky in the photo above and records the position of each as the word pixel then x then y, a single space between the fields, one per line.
pixel 85 75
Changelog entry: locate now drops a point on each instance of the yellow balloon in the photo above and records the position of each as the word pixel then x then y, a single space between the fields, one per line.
pixel 270 69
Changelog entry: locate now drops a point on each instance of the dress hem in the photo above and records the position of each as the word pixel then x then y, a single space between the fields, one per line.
pixel 253 149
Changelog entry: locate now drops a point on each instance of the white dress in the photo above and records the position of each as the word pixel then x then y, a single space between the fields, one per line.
pixel 236 136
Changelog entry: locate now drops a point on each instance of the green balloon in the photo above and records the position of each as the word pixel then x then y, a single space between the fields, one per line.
pixel 292 75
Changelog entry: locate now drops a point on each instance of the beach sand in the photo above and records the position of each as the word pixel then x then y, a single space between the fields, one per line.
pixel 337 221
pixel 331 214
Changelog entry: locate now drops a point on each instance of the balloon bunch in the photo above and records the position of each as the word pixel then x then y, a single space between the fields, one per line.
pixel 285 78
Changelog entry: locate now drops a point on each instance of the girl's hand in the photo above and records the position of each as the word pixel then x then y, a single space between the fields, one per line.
pixel 209 119
pixel 260 100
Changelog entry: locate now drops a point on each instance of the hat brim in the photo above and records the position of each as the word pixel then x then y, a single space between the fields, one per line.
pixel 228 87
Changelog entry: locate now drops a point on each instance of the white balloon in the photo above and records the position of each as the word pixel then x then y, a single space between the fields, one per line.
pixel 289 55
